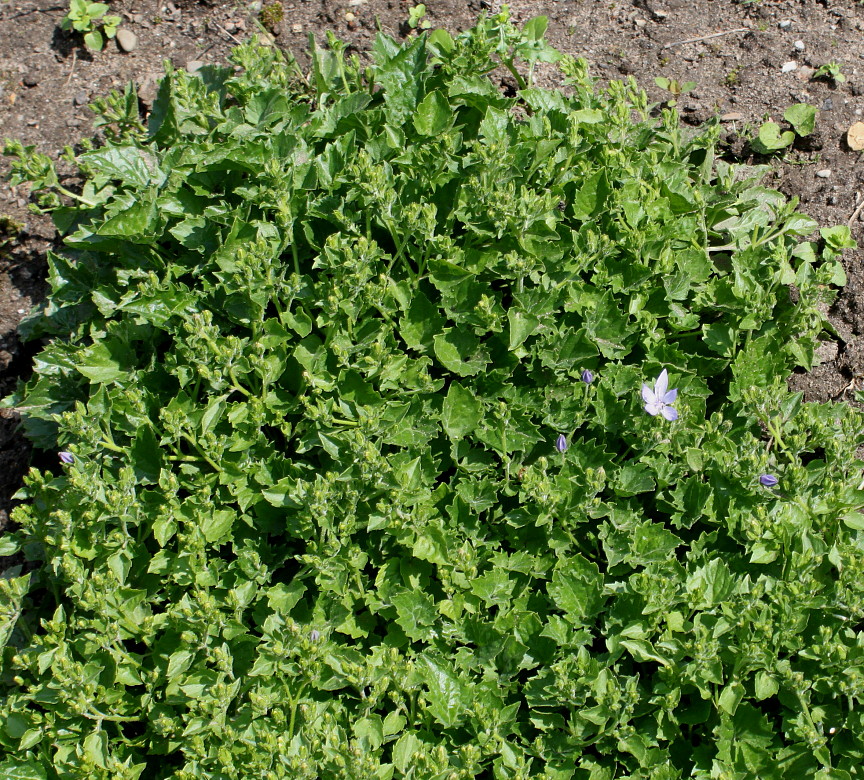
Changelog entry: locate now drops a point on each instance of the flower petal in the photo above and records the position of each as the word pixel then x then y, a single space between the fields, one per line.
pixel 669 413
pixel 648 395
pixel 653 408
pixel 662 384
pixel 670 396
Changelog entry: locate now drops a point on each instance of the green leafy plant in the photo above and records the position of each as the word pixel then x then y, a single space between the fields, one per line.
pixel 89 18
pixel 415 17
pixel 772 138
pixel 410 430
pixel 830 71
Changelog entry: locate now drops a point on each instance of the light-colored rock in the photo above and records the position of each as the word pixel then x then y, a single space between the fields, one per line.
pixel 855 136
pixel 126 39
pixel 193 66
pixel 732 116
pixel 788 67
pixel 799 45
pixel 825 173
pixel 784 24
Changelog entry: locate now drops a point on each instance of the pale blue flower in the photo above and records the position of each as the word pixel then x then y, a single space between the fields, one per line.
pixel 561 444
pixel 66 457
pixel 659 400
pixel 768 480
pixel 587 376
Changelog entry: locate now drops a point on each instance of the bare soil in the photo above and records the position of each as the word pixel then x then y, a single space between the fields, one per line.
pixel 48 77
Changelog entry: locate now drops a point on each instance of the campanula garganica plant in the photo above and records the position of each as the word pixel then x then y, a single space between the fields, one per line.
pixel 412 429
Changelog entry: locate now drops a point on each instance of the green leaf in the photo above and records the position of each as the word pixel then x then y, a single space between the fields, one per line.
pixel 404 750
pixel 12 769
pixel 765 686
pixel 802 117
pixel 576 588
pixel 591 197
pixel 461 411
pixel 416 613
pixel 218 525
pixel 146 455
pixel 421 323
pixel 460 352
pixel 448 695
pixel 632 479
pixel 434 115
pixel 770 139
pixel 93 40
pixel 522 325
pixel 96 748
pixel 99 365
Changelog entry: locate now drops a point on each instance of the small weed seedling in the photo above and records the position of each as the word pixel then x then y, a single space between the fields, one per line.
pixel 672 86
pixel 415 17
pixel 770 139
pixel 87 18
pixel 830 71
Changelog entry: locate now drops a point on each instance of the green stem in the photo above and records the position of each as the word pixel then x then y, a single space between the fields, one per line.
pixel 74 196
pixel 294 702
pixel 110 445
pixel 203 454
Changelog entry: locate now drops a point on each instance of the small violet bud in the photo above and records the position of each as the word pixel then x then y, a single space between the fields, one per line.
pixel 315 635
pixel 561 444
pixel 768 480
pixel 66 457
pixel 587 377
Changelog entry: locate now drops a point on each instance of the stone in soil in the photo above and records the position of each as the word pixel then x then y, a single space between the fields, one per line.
pixel 126 39
pixel 824 173
pixel 82 98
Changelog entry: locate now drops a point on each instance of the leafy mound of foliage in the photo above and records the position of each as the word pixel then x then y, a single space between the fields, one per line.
pixel 343 502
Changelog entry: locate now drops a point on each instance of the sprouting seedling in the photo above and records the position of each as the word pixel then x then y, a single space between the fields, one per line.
pixel 86 17
pixel 771 137
pixel 659 400
pixel 415 17
pixel 831 71
pixel 674 87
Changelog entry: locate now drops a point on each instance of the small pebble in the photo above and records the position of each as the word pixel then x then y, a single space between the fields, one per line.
pixel 81 98
pixel 824 173
pixel 31 79
pixel 639 22
pixel 788 67
pixel 127 40
pixel 732 116
pixel 799 45
pixel 784 24
pixel 193 66
pixel 349 16
pixel 828 104
pixel 296 28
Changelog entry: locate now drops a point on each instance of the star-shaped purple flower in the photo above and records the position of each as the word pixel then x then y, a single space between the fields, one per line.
pixel 659 400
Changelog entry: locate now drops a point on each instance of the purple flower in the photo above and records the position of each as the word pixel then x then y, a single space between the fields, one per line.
pixel 659 400
pixel 66 457
pixel 315 635
pixel 768 480
pixel 587 377
pixel 561 444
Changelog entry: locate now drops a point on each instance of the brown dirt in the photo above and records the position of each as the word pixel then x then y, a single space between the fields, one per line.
pixel 47 78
